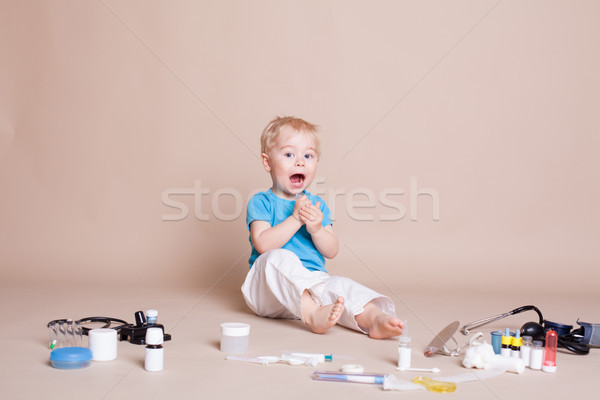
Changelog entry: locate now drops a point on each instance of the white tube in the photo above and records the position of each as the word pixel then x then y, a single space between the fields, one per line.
pixel 508 364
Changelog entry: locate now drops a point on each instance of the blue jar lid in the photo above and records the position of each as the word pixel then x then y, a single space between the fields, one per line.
pixel 70 357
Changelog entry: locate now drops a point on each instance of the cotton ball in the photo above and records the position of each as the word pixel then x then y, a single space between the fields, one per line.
pixel 480 356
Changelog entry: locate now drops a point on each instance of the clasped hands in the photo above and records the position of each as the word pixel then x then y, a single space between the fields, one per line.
pixel 309 214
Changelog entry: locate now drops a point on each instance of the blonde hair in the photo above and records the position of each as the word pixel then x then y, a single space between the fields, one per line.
pixel 297 125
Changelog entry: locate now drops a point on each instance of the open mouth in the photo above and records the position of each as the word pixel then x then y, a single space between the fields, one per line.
pixel 297 179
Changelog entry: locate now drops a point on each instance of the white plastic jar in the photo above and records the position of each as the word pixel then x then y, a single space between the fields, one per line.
pixel 235 337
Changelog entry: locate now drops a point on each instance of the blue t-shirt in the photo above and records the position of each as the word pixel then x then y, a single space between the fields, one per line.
pixel 266 206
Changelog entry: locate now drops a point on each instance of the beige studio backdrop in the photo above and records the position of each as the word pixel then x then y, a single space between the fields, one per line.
pixel 460 138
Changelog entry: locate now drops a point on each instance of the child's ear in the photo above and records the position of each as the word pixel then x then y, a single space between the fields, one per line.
pixel 266 162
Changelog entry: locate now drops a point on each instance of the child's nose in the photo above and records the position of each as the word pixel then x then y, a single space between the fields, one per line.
pixel 300 161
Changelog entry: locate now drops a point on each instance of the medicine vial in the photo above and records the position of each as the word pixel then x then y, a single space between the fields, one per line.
pixel 506 344
pixel 404 350
pixel 550 353
pixel 154 361
pixel 537 355
pixel 151 317
pixel 515 348
pixel 526 350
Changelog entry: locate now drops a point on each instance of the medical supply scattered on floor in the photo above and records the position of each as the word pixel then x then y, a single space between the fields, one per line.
pixel 506 342
pixel 134 333
pixel 73 338
pixel 588 334
pixel 533 329
pixel 549 364
pixel 473 375
pixel 154 360
pixel 515 346
pixel 295 361
pixel 320 358
pixel 478 357
pixel 151 317
pixel 333 376
pixel 306 358
pixel 434 385
pixel 392 382
pixel 496 341
pixel 52 335
pixel 70 357
pixel 434 370
pixel 263 360
pixel 438 344
pixel 481 355
pixel 537 355
pixel 266 360
pixel 484 321
pixel 526 350
pixel 235 337
pixel 560 329
pixel 577 340
pixel 291 359
pixel 404 350
pixel 103 344
pixel 352 369
pixel 64 333
pixel 571 340
pixel 508 364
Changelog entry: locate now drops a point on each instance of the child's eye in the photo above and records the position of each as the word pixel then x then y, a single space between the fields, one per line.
pixel 288 155
pixel 308 156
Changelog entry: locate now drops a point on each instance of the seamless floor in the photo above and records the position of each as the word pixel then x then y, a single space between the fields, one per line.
pixel 196 368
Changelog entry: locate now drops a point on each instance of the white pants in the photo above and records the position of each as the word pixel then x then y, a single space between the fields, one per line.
pixel 274 286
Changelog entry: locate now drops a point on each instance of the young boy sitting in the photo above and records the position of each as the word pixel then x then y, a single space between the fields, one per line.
pixel 291 235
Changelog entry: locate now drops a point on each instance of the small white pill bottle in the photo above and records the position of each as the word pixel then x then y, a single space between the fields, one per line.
pixel 537 355
pixel 155 353
pixel 404 350
pixel 526 350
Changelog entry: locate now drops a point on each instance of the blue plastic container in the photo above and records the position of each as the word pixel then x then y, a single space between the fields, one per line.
pixel 71 357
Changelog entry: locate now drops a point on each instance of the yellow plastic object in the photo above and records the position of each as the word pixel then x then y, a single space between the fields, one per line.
pixel 435 386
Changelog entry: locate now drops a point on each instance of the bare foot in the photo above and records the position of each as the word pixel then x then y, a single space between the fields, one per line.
pixel 378 324
pixel 385 326
pixel 320 318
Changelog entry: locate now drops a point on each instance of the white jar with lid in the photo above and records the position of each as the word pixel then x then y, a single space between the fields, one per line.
pixel 235 337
